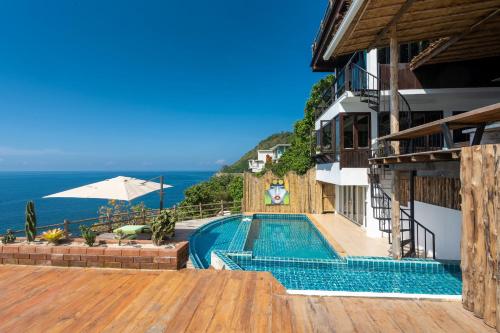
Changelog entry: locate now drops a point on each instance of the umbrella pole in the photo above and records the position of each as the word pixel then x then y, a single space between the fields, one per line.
pixel 161 193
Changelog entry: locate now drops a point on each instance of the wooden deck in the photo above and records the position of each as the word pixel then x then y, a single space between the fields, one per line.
pixel 47 299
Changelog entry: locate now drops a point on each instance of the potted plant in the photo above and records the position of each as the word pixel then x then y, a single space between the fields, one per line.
pixel 163 226
pixel 88 235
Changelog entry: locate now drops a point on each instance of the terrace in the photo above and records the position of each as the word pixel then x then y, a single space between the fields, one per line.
pixel 202 301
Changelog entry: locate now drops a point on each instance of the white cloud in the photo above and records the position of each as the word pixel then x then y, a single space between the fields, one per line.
pixel 9 151
pixel 220 162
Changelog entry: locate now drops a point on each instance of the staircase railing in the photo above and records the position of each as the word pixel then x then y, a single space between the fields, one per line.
pixel 416 239
pixel 370 88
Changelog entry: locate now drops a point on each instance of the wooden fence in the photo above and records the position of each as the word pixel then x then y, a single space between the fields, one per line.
pixel 480 178
pixel 306 195
pixel 438 191
pixel 108 222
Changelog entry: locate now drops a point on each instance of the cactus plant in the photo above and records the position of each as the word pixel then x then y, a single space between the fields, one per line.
pixel 88 234
pixel 9 237
pixel 30 224
pixel 53 236
pixel 120 235
pixel 163 226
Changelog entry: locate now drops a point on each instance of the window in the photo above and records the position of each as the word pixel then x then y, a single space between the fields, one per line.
pixel 356 131
pixel 348 131
pixel 337 138
pixel 458 135
pixel 363 129
pixel 417 118
pixel 326 138
pixel 406 52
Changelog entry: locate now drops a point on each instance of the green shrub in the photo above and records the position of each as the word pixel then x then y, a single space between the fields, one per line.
pixel 88 235
pixel 221 187
pixel 163 226
pixel 30 223
pixel 120 235
pixel 298 157
pixel 119 213
pixel 9 237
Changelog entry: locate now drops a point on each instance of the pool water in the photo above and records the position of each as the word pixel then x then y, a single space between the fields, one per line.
pixel 214 236
pixel 294 238
pixel 341 276
pixel 295 252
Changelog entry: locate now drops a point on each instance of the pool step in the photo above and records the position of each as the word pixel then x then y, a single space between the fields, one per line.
pixel 239 239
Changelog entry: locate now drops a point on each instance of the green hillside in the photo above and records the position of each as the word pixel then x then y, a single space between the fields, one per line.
pixel 242 164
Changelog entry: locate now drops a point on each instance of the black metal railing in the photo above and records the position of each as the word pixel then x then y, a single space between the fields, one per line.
pixel 370 89
pixel 416 239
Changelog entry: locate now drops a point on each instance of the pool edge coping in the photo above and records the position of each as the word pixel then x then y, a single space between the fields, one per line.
pixel 367 294
pixel 326 235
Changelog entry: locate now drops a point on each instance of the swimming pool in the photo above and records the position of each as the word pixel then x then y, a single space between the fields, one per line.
pixel 295 252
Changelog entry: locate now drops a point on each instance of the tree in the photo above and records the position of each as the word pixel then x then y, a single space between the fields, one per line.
pixel 298 157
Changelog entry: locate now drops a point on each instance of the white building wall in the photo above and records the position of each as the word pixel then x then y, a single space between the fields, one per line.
pixel 332 173
pixel 261 154
pixel 445 223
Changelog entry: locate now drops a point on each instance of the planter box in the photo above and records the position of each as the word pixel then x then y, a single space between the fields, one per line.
pixel 83 256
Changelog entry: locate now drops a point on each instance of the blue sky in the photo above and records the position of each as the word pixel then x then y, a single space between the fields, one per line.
pixel 149 85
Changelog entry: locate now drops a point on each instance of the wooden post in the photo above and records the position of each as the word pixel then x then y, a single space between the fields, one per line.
pixel 490 230
pixel 66 229
pixel 110 224
pixel 411 186
pixel 467 241
pixel 161 193
pixel 395 214
pixel 222 207
pixel 394 97
pixel 201 212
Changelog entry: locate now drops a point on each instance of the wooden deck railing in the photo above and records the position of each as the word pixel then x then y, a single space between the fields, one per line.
pixel 183 213
pixel 355 158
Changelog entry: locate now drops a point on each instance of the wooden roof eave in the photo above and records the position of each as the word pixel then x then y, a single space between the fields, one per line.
pixel 415 21
pixel 485 115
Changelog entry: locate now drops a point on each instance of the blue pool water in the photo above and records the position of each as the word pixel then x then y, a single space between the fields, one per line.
pixel 292 238
pixel 293 250
pixel 215 236
pixel 340 276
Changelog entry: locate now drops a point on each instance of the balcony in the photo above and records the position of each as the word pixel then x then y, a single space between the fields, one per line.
pixel 344 139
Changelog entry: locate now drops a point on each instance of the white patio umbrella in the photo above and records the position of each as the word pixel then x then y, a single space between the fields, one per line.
pixel 118 188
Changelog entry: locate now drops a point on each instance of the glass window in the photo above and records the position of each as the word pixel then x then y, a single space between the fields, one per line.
pixel 458 135
pixel 384 126
pixel 326 136
pixel 337 138
pixel 348 129
pixel 363 127
pixel 403 53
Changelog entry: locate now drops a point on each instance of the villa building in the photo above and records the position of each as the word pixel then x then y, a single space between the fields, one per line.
pixel 427 76
pixel 264 156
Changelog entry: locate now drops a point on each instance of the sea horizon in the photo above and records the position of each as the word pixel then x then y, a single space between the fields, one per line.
pixel 18 187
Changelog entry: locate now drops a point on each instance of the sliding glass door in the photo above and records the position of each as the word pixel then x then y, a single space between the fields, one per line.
pixel 352 203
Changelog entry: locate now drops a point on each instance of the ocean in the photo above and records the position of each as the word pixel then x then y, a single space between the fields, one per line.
pixel 16 188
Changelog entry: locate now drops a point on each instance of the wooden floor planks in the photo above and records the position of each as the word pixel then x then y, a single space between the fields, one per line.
pixel 48 299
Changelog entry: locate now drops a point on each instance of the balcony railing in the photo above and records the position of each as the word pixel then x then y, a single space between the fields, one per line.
pixel 354 158
pixel 322 25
